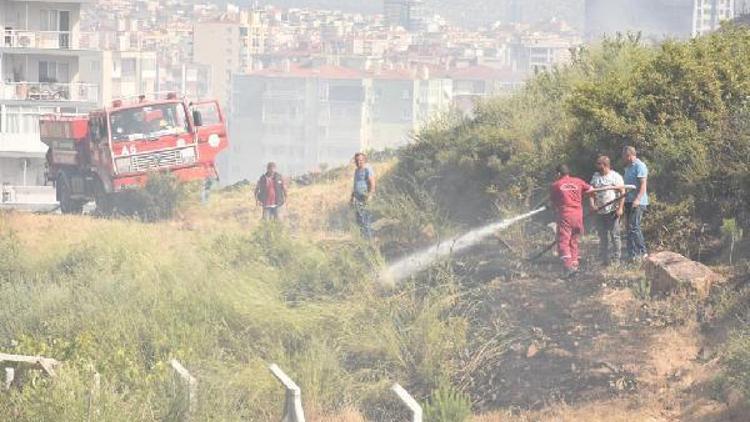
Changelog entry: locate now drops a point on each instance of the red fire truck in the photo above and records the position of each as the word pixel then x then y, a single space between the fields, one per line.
pixel 95 156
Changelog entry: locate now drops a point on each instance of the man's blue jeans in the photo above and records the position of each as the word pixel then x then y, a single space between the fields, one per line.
pixel 364 217
pixel 636 245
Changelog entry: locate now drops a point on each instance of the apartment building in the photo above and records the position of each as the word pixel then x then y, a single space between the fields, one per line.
pixel 471 84
pixel 308 117
pixel 129 73
pixel 408 14
pixel 43 70
pixel 708 15
pixel 537 52
pixel 228 45
pixel 300 117
pixel 192 80
pixel 403 101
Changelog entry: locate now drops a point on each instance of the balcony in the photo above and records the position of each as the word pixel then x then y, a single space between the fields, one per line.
pixel 21 145
pixel 54 40
pixel 50 91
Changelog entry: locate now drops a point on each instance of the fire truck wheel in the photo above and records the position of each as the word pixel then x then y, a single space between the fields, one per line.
pixel 67 204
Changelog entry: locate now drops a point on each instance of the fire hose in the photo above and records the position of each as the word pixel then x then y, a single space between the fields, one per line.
pixel 599 208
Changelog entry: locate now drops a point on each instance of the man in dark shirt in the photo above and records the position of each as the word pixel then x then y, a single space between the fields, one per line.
pixel 270 193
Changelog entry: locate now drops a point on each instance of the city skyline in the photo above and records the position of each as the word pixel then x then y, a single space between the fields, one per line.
pixel 410 59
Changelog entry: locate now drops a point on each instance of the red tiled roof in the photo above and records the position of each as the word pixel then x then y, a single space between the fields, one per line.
pixel 394 74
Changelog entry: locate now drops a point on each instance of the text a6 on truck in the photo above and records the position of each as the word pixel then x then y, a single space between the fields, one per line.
pixel 109 150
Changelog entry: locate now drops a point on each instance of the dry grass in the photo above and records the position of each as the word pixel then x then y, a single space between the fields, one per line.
pixel 319 210
pixel 609 411
pixel 347 415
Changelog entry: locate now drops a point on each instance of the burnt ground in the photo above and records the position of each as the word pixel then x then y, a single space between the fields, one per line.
pixel 594 338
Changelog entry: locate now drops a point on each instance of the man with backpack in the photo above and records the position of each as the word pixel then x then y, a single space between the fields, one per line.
pixel 270 193
pixel 362 191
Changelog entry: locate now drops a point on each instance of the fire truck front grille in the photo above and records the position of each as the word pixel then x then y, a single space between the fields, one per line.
pixel 156 160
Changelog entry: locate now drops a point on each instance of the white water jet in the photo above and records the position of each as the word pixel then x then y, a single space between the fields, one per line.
pixel 421 260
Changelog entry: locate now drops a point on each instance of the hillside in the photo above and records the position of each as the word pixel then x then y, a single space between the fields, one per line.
pixel 227 296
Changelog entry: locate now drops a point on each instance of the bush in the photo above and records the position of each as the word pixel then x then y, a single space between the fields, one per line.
pixel 737 361
pixel 682 104
pixel 447 405
pixel 128 297
pixel 158 200
pixel 10 256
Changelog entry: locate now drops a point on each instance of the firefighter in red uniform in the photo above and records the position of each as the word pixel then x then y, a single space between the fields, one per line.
pixel 567 195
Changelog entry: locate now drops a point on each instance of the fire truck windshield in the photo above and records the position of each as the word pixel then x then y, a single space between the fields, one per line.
pixel 148 122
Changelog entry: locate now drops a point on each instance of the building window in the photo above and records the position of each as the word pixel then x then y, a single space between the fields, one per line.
pixel 49 20
pixel 128 68
pixel 48 71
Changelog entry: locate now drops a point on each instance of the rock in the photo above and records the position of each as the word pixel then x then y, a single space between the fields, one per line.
pixel 532 351
pixel 670 272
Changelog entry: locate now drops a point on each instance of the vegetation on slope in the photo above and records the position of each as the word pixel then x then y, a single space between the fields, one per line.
pixel 124 298
pixel 684 105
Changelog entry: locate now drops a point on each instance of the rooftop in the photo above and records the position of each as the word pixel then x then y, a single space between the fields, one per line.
pixel 298 71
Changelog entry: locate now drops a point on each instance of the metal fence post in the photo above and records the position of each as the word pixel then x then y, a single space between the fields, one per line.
pixel 293 411
pixel 93 412
pixel 47 365
pixel 10 375
pixel 190 382
pixel 408 400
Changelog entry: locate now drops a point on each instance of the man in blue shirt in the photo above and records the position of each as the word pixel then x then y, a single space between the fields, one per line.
pixel 362 191
pixel 636 201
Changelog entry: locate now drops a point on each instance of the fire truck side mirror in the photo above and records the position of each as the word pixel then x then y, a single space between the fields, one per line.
pixel 197 118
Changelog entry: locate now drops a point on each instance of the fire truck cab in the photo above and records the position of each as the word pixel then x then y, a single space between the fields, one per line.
pixel 95 156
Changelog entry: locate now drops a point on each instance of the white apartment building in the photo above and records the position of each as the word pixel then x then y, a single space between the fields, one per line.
pixel 708 15
pixel 131 73
pixel 299 117
pixel 306 117
pixel 43 70
pixel 403 101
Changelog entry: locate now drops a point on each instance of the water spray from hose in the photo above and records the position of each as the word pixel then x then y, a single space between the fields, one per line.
pixel 418 261
pixel 421 260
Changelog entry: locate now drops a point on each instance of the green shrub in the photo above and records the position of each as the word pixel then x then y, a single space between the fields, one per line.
pixel 737 361
pixel 128 298
pixel 9 257
pixel 682 104
pixel 447 405
pixel 158 200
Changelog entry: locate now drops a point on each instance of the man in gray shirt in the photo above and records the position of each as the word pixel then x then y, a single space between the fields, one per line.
pixel 608 210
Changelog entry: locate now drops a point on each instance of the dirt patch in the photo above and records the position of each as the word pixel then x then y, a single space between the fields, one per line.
pixel 597 345
pixel 607 410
